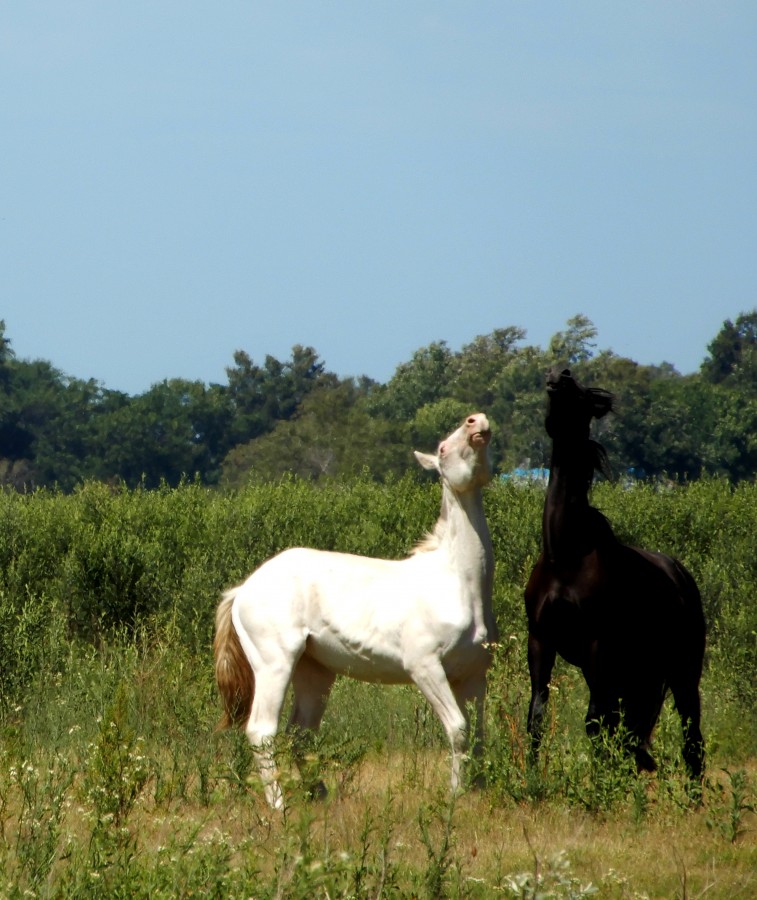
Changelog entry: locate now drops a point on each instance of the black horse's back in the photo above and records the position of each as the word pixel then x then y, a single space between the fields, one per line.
pixel 631 619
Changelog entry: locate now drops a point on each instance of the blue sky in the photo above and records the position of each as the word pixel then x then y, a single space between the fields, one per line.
pixel 183 179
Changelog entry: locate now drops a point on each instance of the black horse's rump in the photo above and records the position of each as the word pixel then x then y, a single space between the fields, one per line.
pixel 630 619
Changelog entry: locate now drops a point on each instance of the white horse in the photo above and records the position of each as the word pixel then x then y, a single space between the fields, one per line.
pixel 306 616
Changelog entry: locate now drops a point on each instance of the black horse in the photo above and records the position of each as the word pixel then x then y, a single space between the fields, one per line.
pixel 631 620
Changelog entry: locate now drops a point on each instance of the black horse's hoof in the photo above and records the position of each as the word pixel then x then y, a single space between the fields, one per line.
pixel 318 791
pixel 644 761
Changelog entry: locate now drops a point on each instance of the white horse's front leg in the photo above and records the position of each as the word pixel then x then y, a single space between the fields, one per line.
pixel 431 679
pixel 472 691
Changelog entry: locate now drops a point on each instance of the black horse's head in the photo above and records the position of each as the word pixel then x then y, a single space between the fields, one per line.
pixel 572 406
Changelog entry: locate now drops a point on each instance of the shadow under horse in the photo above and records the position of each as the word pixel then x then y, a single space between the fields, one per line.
pixel 630 619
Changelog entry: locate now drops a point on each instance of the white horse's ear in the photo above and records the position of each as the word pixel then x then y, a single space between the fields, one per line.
pixel 427 460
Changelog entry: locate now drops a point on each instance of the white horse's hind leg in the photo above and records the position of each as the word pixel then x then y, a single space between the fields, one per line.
pixel 433 684
pixel 270 689
pixel 312 684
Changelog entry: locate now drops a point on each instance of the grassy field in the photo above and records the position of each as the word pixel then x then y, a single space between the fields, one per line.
pixel 115 783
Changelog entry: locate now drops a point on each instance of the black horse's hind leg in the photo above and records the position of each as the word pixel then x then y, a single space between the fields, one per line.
pixel 613 708
pixel 602 720
pixel 541 661
pixel 603 713
pixel 688 704
pixel 604 703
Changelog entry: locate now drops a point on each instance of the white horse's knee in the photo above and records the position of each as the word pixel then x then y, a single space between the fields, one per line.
pixel 261 733
pixel 457 732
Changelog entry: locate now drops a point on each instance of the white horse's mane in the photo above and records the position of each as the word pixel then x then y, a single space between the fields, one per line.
pixel 432 539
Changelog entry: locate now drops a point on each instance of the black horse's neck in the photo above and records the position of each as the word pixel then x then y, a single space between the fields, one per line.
pixel 571 527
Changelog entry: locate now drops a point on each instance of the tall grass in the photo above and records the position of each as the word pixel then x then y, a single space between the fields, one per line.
pixel 113 781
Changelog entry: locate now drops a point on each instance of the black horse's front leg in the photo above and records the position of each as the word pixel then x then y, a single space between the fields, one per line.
pixel 541 660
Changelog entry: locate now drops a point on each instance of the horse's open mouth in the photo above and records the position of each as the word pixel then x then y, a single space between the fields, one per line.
pixel 480 437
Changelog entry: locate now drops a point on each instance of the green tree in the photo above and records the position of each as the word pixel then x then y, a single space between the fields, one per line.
pixel 733 447
pixel 732 355
pixel 674 435
pixel 660 422
pixel 48 425
pixel 6 355
pixel 518 408
pixel 574 345
pixel 480 364
pixel 623 433
pixel 261 396
pixel 425 379
pixel 434 421
pixel 15 440
pixel 176 429
pixel 333 435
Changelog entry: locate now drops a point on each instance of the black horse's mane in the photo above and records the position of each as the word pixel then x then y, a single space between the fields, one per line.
pixel 607 396
pixel 599 461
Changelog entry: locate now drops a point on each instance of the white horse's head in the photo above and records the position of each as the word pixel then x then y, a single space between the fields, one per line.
pixel 462 459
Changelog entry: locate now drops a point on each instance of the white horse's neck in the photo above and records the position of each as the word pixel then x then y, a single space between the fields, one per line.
pixel 466 529
pixel 467 542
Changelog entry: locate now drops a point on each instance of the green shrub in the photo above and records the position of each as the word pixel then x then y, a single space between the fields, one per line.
pixel 105 562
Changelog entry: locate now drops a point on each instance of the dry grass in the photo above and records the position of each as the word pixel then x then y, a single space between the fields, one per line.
pixel 391 816
pixel 670 853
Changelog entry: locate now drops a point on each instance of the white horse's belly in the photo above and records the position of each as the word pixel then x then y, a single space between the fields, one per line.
pixel 363 663
pixel 357 616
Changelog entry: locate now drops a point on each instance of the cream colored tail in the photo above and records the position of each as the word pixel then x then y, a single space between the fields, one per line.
pixel 234 676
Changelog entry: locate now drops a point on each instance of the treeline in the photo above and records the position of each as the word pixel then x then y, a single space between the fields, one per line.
pixel 296 417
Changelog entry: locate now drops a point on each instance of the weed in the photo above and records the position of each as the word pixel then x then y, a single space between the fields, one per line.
pixel 113 782
pixel 118 768
pixel 732 806
pixel 436 829
pixel 43 791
